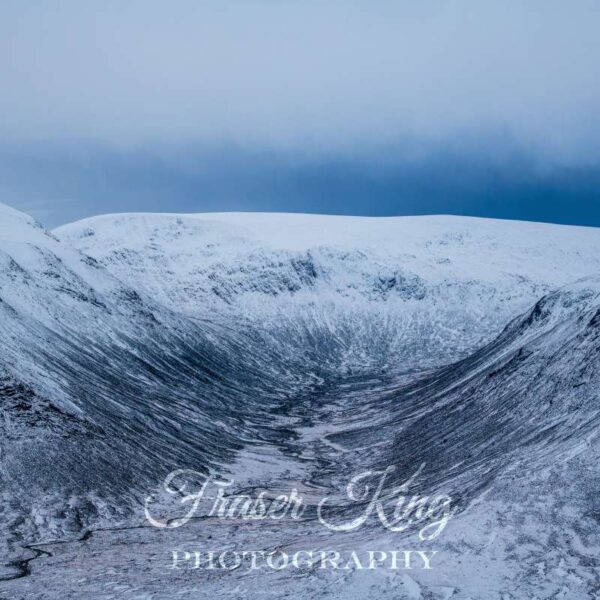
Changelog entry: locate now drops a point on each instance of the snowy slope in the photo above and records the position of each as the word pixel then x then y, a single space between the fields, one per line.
pixel 91 368
pixel 181 258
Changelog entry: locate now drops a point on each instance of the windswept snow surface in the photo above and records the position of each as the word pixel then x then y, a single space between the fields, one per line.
pixel 298 351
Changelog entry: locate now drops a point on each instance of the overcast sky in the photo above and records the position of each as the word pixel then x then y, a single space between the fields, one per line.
pixel 471 107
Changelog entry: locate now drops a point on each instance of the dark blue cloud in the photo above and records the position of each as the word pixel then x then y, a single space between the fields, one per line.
pixel 493 178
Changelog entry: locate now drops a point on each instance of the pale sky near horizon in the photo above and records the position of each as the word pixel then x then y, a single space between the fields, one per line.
pixel 468 107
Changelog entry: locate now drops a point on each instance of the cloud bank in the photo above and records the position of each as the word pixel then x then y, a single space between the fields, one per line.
pixel 292 105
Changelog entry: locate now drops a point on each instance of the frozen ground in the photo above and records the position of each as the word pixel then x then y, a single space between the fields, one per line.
pixel 298 351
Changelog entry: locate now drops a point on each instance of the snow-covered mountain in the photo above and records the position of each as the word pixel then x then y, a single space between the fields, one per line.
pixel 442 284
pixel 300 348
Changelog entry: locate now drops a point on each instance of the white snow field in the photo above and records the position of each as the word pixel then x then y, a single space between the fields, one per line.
pixel 296 351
